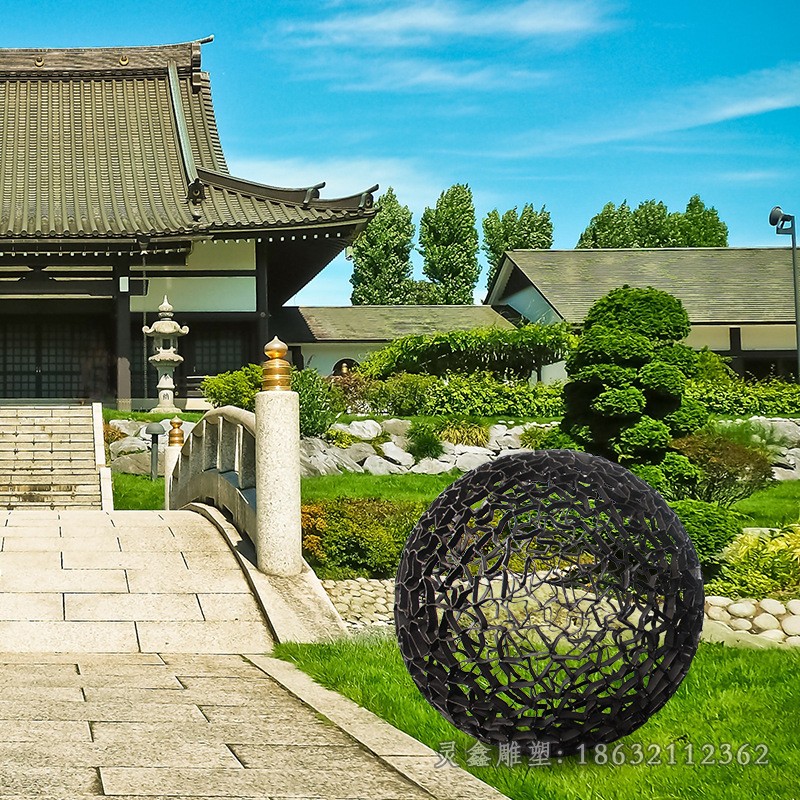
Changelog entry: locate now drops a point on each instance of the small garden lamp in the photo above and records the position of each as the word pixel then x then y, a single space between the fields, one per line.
pixel 784 223
pixel 154 430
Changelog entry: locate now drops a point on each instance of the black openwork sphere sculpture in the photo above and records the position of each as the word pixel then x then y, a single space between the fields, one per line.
pixel 548 596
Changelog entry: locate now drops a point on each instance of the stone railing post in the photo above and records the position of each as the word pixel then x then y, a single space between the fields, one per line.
pixel 278 532
pixel 172 455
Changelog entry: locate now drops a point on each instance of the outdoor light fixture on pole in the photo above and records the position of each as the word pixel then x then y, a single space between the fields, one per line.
pixel 784 223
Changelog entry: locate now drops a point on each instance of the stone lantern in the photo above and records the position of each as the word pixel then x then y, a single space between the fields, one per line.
pixel 165 332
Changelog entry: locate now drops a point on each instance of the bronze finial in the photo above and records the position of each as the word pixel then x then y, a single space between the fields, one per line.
pixel 276 371
pixel 176 434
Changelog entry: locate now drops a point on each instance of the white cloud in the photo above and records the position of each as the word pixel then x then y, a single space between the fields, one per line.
pixel 716 101
pixel 419 23
pixel 751 176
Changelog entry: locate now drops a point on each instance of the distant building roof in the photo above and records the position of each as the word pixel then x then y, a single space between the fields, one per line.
pixel 716 285
pixel 305 324
pixel 118 142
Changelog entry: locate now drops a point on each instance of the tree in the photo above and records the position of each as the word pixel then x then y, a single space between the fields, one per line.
pixel 612 227
pixel 701 226
pixel 449 245
pixel 512 231
pixel 651 224
pixel 381 264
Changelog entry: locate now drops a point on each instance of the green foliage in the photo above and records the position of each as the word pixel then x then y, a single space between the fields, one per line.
pixel 424 441
pixel 680 356
pixel 687 418
pixel 712 366
pixel 653 314
pixel 628 402
pixel 710 528
pixel 601 344
pixel 339 438
pixel 137 492
pixel 652 225
pixel 530 229
pixel 400 395
pixel 674 478
pixel 449 245
pixel 462 430
pixel 645 441
pixel 760 563
pixel 662 379
pixel 239 388
pixel 381 255
pixel 350 393
pixel 737 397
pixel 729 471
pixel 357 537
pixel 505 352
pixel 532 437
pixel 751 433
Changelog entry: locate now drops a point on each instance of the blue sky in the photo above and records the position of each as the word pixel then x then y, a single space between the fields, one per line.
pixel 563 103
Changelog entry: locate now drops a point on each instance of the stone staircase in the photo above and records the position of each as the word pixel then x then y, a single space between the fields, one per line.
pixel 50 457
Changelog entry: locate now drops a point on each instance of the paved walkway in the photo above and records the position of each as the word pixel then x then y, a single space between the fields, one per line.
pixel 122 675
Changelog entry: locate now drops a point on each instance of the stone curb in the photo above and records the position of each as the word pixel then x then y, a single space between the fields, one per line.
pixel 412 759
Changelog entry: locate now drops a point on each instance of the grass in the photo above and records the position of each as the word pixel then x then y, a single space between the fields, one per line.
pixel 773 507
pixel 729 696
pixel 147 416
pixel 510 421
pixel 137 492
pixel 425 488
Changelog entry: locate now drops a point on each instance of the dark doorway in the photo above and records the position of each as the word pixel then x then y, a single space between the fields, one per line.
pixel 56 357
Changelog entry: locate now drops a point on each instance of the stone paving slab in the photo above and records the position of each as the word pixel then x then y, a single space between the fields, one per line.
pixel 88 559
pixel 157 581
pixel 229 606
pixel 132 607
pixel 30 606
pixel 210 636
pixel 60 543
pixel 69 637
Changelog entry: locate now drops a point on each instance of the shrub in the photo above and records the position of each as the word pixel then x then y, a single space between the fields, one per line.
pixel 729 471
pixel 350 393
pixel 760 564
pixel 111 434
pixel 503 352
pixel 461 430
pixel 736 397
pixel 675 478
pixel 340 438
pixel 646 441
pixel 239 388
pixel 628 402
pixel 357 537
pixel 662 379
pixel 710 528
pixel 556 439
pixel 402 395
pixel 532 437
pixel 679 355
pixel 687 418
pixel 423 441
pixel 750 433
pixel 601 345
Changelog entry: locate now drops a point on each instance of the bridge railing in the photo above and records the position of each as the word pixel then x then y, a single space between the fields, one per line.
pixel 217 465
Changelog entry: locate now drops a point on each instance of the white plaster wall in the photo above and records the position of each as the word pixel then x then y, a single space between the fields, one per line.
pixel 198 294
pixel 322 357
pixel 553 372
pixel 223 255
pixel 714 337
pixel 768 337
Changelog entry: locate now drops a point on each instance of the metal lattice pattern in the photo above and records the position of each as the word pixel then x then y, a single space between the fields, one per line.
pixel 548 596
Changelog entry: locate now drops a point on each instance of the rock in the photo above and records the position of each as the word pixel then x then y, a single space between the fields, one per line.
pixel 359 452
pixel 137 463
pixel 743 608
pixel 343 461
pixel 396 454
pixel 431 466
pixel 791 625
pixel 317 464
pixel 364 429
pixel 130 427
pixel 793 456
pixel 793 607
pixel 773 635
pixel 792 641
pixel 508 440
pixel 714 631
pixel 376 465
pixel 311 445
pixel 717 600
pixel 396 427
pixel 765 622
pixel 787 429
pixel 719 614
pixel 781 474
pixel 467 461
pixel 143 430
pixel 401 441
pixel 740 624
pixel 774 607
pixel 130 444
pixel 468 449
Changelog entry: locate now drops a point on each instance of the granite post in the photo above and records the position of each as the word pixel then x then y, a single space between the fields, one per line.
pixel 278 531
pixel 171 456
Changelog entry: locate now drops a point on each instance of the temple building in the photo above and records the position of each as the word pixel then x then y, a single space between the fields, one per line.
pixel 114 192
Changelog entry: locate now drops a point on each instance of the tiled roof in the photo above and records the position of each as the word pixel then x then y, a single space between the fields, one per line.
pixel 299 324
pixel 105 142
pixel 716 285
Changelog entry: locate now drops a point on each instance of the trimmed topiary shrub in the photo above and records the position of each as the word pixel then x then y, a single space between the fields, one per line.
pixel 711 530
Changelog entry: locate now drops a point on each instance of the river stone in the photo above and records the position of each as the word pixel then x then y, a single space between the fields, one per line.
pixel 792 641
pixel 376 465
pixel 130 427
pixel 793 607
pixel 714 631
pixel 130 444
pixel 774 607
pixel 364 429
pixel 431 466
pixel 137 463
pixel 396 427
pixel 773 635
pixel 360 451
pixel 791 625
pixel 741 624
pixel 766 622
pixel 717 600
pixel 396 454
pixel 719 614
pixel 743 608
pixel 467 461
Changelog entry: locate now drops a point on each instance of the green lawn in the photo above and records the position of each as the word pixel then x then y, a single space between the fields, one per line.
pixel 147 416
pixel 774 507
pixel 389 487
pixel 736 697
pixel 137 492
